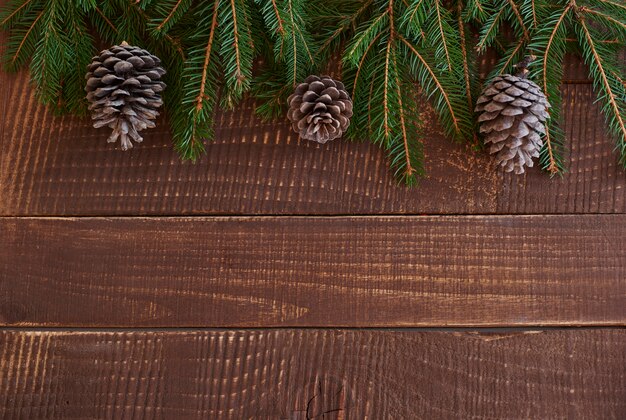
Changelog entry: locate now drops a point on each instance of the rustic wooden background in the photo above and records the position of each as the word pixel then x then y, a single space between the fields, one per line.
pixel 276 278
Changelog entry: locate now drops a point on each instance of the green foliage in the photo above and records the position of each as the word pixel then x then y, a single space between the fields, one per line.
pixel 393 52
pixel 54 36
pixel 549 46
pixel 166 14
pixel 389 54
pixel 608 77
pixel 545 29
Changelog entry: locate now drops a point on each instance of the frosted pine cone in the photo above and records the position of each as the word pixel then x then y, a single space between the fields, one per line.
pixel 320 109
pixel 513 112
pixel 123 89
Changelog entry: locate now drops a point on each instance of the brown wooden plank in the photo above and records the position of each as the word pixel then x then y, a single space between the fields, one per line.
pixel 298 374
pixel 61 166
pixel 314 271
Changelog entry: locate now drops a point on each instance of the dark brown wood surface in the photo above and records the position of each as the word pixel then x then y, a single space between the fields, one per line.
pixel 159 274
pixel 54 165
pixel 321 374
pixel 314 271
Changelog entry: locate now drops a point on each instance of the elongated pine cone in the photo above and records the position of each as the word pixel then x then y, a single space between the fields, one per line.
pixel 320 109
pixel 123 89
pixel 513 112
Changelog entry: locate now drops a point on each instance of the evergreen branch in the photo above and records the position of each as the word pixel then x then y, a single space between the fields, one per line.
pixel 466 74
pixel 488 33
pixel 550 45
pixel 108 22
pixel 364 37
pixel 456 128
pixel 174 13
pixel 237 50
pixel 296 27
pixel 360 65
pixel 469 85
pixel 295 49
pixel 511 56
pixel 293 45
pixel 442 33
pixel 610 87
pixel 281 29
pixel 236 40
pixel 386 94
pixel 408 170
pixel 207 58
pixel 344 25
pixel 518 16
pixel 193 119
pixel 390 40
pixel 168 18
pixel 474 10
pixel 613 3
pixel 614 23
pixel 18 50
pixel 15 13
pixel 411 17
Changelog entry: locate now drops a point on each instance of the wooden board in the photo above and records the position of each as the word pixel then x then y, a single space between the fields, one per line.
pixel 61 166
pixel 302 374
pixel 314 271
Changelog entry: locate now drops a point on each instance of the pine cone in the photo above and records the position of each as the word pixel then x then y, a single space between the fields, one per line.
pixel 513 112
pixel 320 109
pixel 123 89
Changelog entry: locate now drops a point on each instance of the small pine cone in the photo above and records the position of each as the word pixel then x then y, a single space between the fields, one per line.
pixel 123 90
pixel 320 109
pixel 513 112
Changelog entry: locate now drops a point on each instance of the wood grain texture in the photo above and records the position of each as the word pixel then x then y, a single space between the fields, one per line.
pixel 314 271
pixel 61 166
pixel 296 374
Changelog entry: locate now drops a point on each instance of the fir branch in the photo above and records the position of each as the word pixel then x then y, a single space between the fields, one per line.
pixel 489 30
pixel 200 93
pixel 294 46
pixel 550 45
pixel 360 64
pixel 387 131
pixel 444 37
pixel 169 12
pixel 411 165
pixel 344 25
pixel 471 85
pixel 25 46
pixel 466 74
pixel 610 22
pixel 614 3
pixel 237 51
pixel 519 19
pixel 512 55
pixel 414 17
pixel 475 10
pixel 611 91
pixel 363 39
pixel 13 15
pixel 433 85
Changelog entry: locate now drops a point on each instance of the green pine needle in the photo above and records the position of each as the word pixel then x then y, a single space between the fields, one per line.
pixel 394 52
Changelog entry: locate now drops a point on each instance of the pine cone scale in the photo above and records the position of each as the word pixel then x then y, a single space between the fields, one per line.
pixel 320 109
pixel 513 111
pixel 123 87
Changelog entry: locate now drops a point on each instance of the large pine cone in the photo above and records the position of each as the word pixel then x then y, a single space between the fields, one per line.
pixel 123 88
pixel 320 109
pixel 513 112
